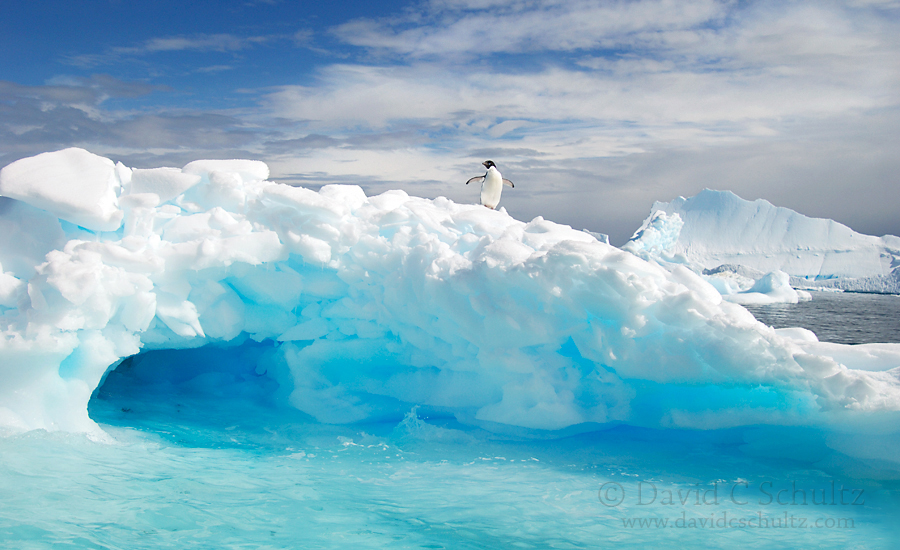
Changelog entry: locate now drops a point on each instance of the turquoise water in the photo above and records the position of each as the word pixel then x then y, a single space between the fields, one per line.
pixel 201 473
pixel 214 462
pixel 319 487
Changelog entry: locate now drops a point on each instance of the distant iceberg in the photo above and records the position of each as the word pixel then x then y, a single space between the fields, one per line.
pixel 361 308
pixel 736 242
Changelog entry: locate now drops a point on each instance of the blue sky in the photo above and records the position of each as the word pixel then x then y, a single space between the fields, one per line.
pixel 595 109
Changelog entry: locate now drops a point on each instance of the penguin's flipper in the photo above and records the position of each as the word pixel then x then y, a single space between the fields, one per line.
pixel 508 183
pixel 476 179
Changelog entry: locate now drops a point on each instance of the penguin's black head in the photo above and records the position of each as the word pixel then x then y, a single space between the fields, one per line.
pixel 488 163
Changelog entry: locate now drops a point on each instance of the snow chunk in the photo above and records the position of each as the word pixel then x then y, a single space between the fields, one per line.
pixel 166 183
pixel 28 235
pixel 657 235
pixel 771 288
pixel 10 289
pixel 73 184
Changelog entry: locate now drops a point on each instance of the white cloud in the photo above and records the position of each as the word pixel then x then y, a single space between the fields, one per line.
pixel 621 92
pixel 222 42
pixel 594 109
pixel 205 42
pixel 687 82
pixel 680 63
pixel 491 27
pixel 214 69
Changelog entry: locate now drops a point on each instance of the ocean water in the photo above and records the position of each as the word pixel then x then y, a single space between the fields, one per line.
pixel 840 317
pixel 214 462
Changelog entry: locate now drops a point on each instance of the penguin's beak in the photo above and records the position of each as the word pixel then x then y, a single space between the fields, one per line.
pixel 485 164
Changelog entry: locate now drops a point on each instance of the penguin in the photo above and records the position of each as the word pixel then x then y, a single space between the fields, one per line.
pixel 492 184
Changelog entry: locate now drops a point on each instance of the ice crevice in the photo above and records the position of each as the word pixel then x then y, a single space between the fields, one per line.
pixel 372 305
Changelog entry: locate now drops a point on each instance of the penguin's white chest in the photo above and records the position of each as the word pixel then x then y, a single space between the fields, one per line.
pixel 491 188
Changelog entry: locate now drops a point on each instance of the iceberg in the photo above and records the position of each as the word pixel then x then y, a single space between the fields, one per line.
pixel 735 242
pixel 772 288
pixel 359 308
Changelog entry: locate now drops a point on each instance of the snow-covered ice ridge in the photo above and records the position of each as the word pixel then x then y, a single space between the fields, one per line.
pixel 372 305
pixel 738 241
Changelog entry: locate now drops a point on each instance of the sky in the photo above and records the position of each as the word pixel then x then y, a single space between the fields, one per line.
pixel 595 109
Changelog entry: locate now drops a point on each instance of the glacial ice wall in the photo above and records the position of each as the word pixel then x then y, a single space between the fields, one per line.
pixel 718 228
pixel 373 305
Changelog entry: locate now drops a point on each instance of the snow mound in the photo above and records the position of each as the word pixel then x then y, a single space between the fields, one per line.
pixel 72 184
pixel 368 306
pixel 717 228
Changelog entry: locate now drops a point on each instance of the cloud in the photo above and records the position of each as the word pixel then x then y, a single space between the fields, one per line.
pixel 221 43
pixel 480 28
pixel 201 42
pixel 306 143
pixel 647 100
pixel 706 64
pixel 303 37
pixel 70 111
pixel 10 92
pixel 594 109
pixel 813 168
pixel 104 86
pixel 38 118
pixel 214 69
pixel 651 62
